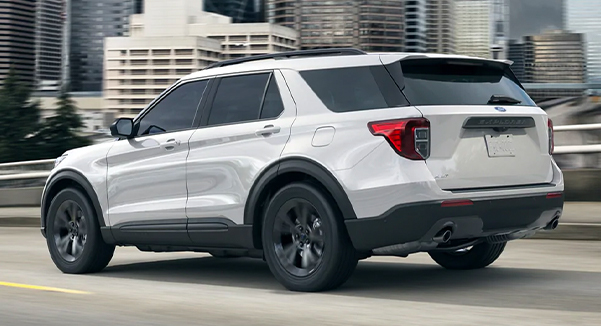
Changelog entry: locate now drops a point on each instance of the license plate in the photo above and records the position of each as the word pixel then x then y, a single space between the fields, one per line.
pixel 500 146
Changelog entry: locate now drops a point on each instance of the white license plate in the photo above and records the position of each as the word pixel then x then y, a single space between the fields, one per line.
pixel 499 146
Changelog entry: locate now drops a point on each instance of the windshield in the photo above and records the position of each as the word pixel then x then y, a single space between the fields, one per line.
pixel 461 82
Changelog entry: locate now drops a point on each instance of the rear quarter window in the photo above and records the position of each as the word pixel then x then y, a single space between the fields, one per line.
pixel 355 88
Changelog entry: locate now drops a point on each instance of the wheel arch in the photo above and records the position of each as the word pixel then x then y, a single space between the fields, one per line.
pixel 283 172
pixel 62 180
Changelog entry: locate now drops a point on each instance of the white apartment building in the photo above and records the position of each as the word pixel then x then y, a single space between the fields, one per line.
pixel 473 27
pixel 440 26
pixel 415 26
pixel 172 39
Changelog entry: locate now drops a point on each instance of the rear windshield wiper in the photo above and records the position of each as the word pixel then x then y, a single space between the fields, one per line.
pixel 503 99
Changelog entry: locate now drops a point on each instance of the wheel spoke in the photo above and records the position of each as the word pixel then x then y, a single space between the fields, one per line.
pixel 63 244
pixel 62 219
pixel 74 247
pixel 287 226
pixel 83 226
pixel 290 253
pixel 302 215
pixel 73 211
pixel 309 258
pixel 316 237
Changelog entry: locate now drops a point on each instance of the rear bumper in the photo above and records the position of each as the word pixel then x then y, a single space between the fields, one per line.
pixel 485 217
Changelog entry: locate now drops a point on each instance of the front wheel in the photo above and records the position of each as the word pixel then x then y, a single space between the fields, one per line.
pixel 305 241
pixel 73 234
pixel 478 256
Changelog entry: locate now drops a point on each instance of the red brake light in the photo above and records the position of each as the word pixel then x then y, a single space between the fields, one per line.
pixel 410 138
pixel 551 137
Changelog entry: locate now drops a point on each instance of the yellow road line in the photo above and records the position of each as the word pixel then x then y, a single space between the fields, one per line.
pixel 41 288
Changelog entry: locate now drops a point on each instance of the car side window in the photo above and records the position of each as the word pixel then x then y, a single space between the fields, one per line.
pixel 272 105
pixel 176 111
pixel 238 99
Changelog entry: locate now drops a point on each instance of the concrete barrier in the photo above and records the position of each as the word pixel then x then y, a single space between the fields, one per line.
pixel 19 197
pixel 583 185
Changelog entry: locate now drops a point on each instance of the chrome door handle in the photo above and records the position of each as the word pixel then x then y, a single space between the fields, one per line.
pixel 170 144
pixel 268 130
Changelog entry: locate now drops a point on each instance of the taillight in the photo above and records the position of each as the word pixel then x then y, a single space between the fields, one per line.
pixel 410 138
pixel 551 137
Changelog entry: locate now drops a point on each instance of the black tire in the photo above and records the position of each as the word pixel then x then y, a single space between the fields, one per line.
pixel 92 253
pixel 479 256
pixel 326 242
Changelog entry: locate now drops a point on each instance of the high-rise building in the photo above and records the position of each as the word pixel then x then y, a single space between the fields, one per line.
pixel 90 21
pixel 138 6
pixel 516 52
pixel 415 26
pixel 583 16
pixel 241 11
pixel 440 26
pixel 555 57
pixel 473 33
pixel 17 39
pixel 48 44
pixel 173 39
pixel 368 25
pixel 500 29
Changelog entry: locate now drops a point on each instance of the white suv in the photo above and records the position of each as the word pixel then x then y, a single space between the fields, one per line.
pixel 313 160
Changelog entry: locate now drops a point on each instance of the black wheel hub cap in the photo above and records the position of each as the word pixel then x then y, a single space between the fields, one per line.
pixel 70 230
pixel 298 237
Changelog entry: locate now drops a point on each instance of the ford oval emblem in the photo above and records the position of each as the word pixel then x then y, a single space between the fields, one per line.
pixel 500 109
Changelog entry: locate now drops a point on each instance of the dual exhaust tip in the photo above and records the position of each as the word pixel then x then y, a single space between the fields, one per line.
pixel 444 235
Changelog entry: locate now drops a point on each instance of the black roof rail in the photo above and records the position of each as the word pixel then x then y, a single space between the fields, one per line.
pixel 289 54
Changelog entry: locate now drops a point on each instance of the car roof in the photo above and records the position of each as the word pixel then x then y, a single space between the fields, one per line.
pixel 325 62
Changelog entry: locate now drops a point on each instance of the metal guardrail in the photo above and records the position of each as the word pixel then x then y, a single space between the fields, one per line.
pixel 578 149
pixel 24 172
pixel 585 127
pixel 25 164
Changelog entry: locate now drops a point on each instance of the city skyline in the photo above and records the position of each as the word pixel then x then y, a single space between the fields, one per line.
pixel 421 28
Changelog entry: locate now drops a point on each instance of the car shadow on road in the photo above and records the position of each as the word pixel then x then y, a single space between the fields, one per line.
pixel 490 287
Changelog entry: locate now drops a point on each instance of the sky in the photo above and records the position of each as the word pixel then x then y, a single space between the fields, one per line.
pixel 528 17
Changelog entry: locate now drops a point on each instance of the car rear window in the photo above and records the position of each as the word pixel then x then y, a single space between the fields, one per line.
pixel 355 88
pixel 459 82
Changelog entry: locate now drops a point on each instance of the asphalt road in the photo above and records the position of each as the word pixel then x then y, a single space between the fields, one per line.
pixel 535 282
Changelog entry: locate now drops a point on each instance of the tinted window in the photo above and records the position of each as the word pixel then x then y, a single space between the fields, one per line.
pixel 272 105
pixel 238 99
pixel 440 82
pixel 355 89
pixel 174 112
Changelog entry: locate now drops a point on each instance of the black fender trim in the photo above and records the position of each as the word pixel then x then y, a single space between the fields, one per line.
pixel 305 166
pixel 78 178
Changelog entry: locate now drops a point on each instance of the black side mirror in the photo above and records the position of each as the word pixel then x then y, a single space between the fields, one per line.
pixel 123 127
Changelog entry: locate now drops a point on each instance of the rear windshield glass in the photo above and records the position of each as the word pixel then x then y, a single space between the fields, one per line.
pixel 355 89
pixel 444 82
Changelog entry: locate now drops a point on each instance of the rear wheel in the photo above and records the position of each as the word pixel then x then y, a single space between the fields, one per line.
pixel 305 241
pixel 73 234
pixel 478 256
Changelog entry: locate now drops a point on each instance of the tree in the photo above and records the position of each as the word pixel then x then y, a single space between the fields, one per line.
pixel 19 120
pixel 59 132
